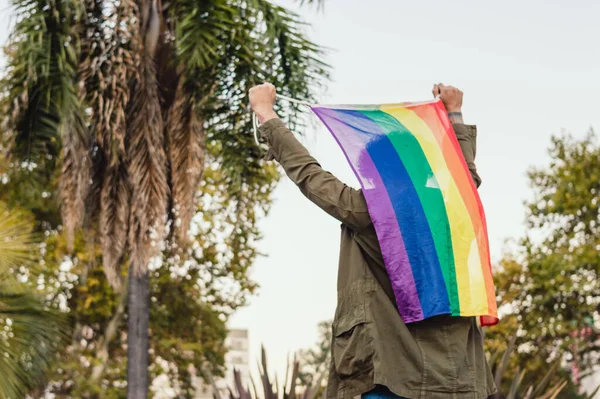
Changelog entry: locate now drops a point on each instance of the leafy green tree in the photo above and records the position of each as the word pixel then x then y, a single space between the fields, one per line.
pixel 549 287
pixel 191 298
pixel 134 96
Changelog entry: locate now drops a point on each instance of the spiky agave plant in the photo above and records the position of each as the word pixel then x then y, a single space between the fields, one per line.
pixel 270 390
pixel 28 331
pixel 534 390
pixel 125 96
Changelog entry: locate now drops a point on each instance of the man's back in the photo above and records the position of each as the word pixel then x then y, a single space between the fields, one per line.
pixel 441 357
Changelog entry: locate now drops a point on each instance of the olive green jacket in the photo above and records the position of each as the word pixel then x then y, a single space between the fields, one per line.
pixel 438 358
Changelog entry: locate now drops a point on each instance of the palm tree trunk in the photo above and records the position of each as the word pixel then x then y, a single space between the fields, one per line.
pixel 137 336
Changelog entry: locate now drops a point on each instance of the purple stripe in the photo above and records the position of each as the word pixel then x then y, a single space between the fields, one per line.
pixel 352 134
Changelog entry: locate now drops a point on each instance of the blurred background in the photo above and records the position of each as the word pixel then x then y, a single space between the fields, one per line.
pixel 258 265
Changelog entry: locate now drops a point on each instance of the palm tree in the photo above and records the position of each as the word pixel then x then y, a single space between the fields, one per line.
pixel 28 332
pixel 128 95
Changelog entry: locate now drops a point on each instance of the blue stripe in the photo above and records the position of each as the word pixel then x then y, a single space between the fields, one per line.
pixel 418 240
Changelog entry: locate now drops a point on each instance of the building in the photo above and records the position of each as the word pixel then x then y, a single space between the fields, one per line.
pixel 590 383
pixel 237 358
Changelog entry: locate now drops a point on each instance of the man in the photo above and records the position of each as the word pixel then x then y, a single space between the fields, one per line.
pixel 374 354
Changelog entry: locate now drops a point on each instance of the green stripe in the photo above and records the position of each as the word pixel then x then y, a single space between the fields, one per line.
pixel 421 174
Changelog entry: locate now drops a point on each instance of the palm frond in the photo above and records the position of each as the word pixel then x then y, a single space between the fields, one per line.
pixel 28 339
pixel 74 182
pixel 41 80
pixel 147 160
pixel 199 29
pixel 185 136
pixel 28 331
pixel 318 3
pixel 114 221
pixel 225 48
pixel 298 68
pixel 42 103
pixel 16 240
pixel 108 67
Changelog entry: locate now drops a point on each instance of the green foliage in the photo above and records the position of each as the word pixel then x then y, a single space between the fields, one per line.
pixel 189 307
pixel 38 94
pixel 29 335
pixel 510 378
pixel 221 49
pixel 549 288
pixel 24 189
pixel 190 304
pixel 224 48
pixel 319 3
pixel 510 381
pixel 29 331
pixel 17 242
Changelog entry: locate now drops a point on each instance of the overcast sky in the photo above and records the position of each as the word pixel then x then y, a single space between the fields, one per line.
pixel 528 70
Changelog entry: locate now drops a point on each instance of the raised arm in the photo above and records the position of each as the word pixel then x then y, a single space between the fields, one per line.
pixel 466 134
pixel 467 138
pixel 344 203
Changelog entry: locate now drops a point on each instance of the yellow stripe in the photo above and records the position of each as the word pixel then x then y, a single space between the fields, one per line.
pixel 469 273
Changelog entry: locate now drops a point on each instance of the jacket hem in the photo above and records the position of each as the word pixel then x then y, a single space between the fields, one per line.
pixel 357 391
pixel 425 393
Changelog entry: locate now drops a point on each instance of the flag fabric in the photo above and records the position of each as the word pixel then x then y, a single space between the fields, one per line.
pixel 424 206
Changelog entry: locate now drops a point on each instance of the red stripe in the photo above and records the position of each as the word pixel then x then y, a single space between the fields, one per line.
pixel 435 116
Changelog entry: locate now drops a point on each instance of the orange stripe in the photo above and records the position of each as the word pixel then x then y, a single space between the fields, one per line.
pixel 435 116
pixel 471 197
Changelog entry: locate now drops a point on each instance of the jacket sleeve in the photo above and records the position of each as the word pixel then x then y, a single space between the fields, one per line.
pixel 344 203
pixel 467 138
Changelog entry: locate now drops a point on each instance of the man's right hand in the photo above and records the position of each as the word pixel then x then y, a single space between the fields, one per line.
pixel 262 101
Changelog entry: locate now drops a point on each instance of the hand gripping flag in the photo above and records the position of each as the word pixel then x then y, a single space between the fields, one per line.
pixel 424 206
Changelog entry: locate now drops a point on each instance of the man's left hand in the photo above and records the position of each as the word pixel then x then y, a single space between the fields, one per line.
pixel 450 96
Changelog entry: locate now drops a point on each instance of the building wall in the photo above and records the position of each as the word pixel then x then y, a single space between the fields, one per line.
pixel 236 358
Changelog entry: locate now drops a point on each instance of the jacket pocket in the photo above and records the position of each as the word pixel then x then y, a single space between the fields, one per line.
pixel 352 350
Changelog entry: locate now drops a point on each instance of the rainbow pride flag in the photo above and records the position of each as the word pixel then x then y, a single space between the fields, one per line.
pixel 424 206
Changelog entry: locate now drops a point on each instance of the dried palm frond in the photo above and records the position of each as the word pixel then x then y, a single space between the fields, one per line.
pixel 114 221
pixel 74 182
pixel 186 154
pixel 109 67
pixel 147 160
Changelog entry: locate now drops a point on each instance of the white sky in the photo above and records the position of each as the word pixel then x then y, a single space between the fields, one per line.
pixel 528 70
